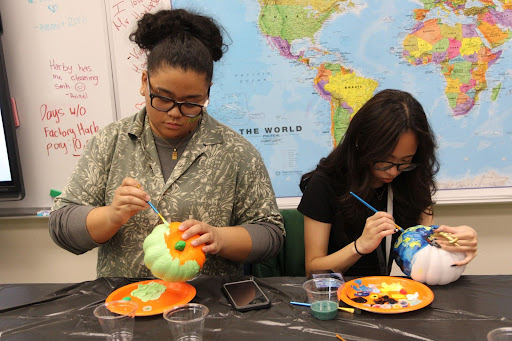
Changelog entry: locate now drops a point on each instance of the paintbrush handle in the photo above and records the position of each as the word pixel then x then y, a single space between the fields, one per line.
pixel 153 207
pixel 156 211
pixel 364 202
pixel 348 310
pixel 371 207
pixel 300 303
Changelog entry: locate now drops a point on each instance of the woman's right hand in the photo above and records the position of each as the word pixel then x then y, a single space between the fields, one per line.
pixel 104 222
pixel 129 198
pixel 378 226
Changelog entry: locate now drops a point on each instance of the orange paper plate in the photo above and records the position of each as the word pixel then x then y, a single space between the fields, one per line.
pixel 175 294
pixel 385 294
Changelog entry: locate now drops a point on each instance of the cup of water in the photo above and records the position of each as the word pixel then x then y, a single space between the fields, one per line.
pixel 323 297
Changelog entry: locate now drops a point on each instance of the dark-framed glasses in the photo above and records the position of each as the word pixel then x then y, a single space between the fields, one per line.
pixel 166 104
pixel 401 167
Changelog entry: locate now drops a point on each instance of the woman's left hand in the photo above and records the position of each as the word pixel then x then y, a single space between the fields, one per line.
pixel 467 240
pixel 209 235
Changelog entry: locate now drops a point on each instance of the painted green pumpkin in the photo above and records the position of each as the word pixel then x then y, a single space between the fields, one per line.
pixel 169 257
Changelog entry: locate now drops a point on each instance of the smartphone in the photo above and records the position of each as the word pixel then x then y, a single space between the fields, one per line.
pixel 246 295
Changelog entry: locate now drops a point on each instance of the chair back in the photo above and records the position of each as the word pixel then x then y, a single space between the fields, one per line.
pixel 290 260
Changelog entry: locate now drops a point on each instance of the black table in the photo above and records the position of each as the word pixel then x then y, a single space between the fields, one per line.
pixel 464 310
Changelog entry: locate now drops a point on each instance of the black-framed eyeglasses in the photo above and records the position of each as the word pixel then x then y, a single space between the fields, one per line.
pixel 166 104
pixel 401 167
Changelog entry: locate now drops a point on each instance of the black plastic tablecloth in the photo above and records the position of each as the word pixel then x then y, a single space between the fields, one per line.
pixel 464 310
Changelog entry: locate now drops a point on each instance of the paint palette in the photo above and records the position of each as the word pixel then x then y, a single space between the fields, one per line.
pixel 174 294
pixel 385 294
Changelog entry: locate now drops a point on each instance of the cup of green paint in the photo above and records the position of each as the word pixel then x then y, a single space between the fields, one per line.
pixel 322 297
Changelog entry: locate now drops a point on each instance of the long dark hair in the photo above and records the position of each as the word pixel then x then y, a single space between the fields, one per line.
pixel 371 136
pixel 180 39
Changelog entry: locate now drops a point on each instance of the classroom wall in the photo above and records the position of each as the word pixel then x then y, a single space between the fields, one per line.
pixel 28 255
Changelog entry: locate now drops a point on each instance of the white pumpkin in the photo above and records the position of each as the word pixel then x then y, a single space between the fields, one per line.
pixel 432 265
pixel 423 262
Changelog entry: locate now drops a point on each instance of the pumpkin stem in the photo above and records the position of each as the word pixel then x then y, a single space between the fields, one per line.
pixel 446 235
pixel 431 240
pixel 180 245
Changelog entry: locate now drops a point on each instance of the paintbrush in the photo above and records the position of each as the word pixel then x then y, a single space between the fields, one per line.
pixel 372 208
pixel 154 209
pixel 348 310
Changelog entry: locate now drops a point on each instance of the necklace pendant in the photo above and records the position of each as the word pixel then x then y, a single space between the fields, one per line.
pixel 381 194
pixel 175 155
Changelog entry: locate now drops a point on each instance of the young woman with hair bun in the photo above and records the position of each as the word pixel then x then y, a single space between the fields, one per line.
pixel 194 169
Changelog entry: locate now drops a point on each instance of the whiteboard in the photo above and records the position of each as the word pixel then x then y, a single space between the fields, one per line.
pixel 128 59
pixel 60 65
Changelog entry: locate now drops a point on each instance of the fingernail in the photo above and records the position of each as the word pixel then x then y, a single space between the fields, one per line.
pixel 193 243
pixel 181 228
pixel 147 197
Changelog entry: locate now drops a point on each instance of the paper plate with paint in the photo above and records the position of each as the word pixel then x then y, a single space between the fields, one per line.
pixel 154 296
pixel 385 294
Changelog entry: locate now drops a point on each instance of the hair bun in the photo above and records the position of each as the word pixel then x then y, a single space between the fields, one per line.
pixel 178 24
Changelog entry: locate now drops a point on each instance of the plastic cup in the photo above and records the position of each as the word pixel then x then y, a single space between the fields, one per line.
pixel 323 297
pixel 500 334
pixel 117 319
pixel 186 321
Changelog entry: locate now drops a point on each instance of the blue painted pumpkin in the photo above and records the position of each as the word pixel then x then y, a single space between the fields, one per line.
pixel 423 262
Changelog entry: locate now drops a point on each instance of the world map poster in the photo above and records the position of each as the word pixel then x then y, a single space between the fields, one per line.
pixel 297 71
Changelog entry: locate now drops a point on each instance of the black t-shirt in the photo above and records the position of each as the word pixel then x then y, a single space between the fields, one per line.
pixel 319 202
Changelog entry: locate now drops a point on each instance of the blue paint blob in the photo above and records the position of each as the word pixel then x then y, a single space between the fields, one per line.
pixel 409 243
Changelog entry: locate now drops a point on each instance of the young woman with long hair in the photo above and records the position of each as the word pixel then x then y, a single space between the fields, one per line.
pixel 387 157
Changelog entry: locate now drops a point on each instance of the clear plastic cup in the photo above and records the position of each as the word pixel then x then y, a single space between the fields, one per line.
pixel 186 321
pixel 323 297
pixel 500 334
pixel 117 319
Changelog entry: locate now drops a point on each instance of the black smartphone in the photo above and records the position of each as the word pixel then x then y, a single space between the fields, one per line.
pixel 246 295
